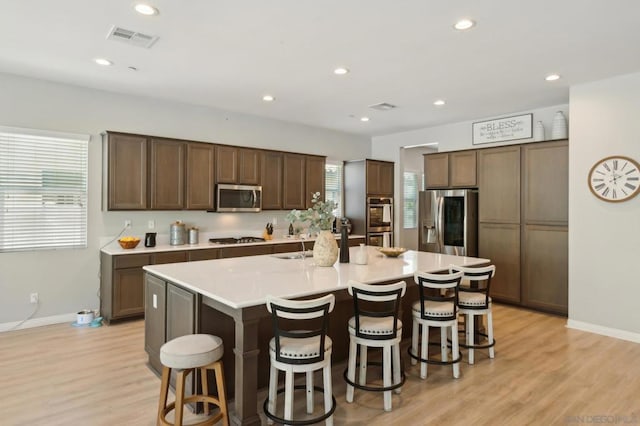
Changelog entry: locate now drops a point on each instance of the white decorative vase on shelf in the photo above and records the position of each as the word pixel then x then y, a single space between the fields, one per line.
pixel 325 249
pixel 559 126
pixel 538 131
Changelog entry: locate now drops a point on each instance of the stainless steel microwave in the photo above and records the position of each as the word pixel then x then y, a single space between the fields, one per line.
pixel 238 198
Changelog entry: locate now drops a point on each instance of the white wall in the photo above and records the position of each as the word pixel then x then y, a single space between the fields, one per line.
pixel 411 160
pixel 67 280
pixel 604 288
pixel 450 137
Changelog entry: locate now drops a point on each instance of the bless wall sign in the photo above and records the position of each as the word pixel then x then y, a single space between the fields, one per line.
pixel 503 129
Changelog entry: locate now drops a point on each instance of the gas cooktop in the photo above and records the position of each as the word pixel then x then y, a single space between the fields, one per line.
pixel 236 240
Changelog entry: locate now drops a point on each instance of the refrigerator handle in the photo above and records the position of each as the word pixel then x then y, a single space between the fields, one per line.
pixel 440 225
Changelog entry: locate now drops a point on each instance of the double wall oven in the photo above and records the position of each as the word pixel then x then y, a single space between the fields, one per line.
pixel 380 221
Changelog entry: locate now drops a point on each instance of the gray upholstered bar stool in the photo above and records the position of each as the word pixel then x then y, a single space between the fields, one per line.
pixel 186 354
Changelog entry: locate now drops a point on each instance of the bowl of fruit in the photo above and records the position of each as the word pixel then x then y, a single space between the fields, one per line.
pixel 128 242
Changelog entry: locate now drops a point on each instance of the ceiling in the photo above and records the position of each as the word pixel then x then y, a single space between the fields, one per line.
pixel 227 54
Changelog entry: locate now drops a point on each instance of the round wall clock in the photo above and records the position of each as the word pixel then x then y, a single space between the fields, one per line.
pixel 615 179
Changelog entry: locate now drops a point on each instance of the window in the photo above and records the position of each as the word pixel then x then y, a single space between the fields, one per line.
pixel 410 208
pixel 43 189
pixel 333 185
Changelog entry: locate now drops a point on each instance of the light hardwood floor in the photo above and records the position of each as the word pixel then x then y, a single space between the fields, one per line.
pixel 543 374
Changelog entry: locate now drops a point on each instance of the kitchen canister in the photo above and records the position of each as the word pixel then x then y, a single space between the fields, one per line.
pixel 193 235
pixel 559 126
pixel 177 233
pixel 538 131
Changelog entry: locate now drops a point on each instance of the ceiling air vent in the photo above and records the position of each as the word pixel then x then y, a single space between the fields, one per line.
pixel 131 37
pixel 383 106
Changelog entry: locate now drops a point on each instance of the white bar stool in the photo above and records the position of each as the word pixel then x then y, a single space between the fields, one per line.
pixel 437 307
pixel 474 300
pixel 375 324
pixel 186 354
pixel 305 349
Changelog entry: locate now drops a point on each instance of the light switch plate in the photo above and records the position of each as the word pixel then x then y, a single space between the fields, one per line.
pixel 151 224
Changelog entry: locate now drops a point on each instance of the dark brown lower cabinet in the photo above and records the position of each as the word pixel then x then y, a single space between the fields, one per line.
pixel 545 268
pixel 500 242
pixel 242 251
pixel 181 312
pixel 170 311
pixel 204 254
pixel 121 286
pixel 155 318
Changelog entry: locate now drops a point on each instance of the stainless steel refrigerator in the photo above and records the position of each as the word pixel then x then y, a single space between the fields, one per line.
pixel 448 221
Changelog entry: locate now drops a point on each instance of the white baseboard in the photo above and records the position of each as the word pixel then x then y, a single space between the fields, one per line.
pixel 38 322
pixel 605 331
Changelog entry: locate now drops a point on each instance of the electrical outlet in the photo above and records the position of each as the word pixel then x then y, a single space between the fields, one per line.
pixel 274 221
pixel 33 298
pixel 127 223
pixel 151 224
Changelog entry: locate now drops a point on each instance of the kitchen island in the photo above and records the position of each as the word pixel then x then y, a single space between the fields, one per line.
pixel 227 298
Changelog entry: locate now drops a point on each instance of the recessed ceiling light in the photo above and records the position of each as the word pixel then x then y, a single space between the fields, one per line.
pixel 364 118
pixel 464 24
pixel 145 9
pixel 341 71
pixel 552 77
pixel 268 98
pixel 439 102
pixel 103 62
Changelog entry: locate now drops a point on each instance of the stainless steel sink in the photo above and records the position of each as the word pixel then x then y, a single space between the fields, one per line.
pixel 293 255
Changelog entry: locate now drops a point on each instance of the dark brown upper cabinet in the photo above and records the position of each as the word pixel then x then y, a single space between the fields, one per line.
pixel 272 182
pixel 166 173
pixel 127 172
pixel 294 181
pixel 451 170
pixel 315 178
pixel 237 165
pixel 379 178
pixel 499 184
pixel 200 176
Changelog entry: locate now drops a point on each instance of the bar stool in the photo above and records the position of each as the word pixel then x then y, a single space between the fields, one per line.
pixel 439 309
pixel 473 300
pixel 186 354
pixel 305 349
pixel 375 324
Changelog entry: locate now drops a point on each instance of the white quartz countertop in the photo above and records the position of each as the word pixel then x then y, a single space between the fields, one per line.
pixel 246 281
pixel 115 249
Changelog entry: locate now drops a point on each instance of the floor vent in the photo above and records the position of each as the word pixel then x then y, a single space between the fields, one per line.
pixel 383 106
pixel 131 37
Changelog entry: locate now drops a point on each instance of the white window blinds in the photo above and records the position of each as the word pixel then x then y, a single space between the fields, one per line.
pixel 333 185
pixel 43 189
pixel 410 208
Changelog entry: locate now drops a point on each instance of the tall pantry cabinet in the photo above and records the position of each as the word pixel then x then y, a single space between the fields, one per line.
pixel 523 222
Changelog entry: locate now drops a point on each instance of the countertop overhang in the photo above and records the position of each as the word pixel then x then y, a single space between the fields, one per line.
pixel 247 281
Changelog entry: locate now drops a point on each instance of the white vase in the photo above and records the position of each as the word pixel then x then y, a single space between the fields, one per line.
pixel 362 255
pixel 325 249
pixel 538 131
pixel 559 126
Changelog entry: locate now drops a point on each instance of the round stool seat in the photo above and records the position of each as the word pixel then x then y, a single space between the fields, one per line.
pixel 191 351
